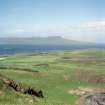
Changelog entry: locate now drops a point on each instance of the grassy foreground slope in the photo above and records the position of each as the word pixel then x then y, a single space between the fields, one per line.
pixel 58 74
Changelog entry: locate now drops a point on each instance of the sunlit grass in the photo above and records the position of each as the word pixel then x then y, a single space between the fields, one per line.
pixel 54 73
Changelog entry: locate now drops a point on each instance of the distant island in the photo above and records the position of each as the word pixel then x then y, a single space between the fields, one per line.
pixel 14 45
pixel 54 40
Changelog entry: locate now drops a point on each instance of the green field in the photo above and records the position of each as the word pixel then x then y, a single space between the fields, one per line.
pixel 57 74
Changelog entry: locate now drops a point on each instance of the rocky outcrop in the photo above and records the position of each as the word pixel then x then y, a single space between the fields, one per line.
pixel 18 87
pixel 97 97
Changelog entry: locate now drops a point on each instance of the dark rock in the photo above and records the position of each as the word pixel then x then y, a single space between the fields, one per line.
pixel 22 89
pixel 34 92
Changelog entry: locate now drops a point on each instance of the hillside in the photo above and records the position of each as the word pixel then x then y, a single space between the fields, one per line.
pixel 63 77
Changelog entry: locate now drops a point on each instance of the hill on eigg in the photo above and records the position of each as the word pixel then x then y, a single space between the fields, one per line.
pixel 55 40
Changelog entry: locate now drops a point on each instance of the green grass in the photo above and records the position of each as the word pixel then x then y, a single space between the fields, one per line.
pixel 52 69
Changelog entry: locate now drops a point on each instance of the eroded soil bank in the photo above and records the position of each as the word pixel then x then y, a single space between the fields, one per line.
pixel 95 97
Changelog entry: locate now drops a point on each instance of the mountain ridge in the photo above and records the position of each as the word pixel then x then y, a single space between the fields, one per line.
pixel 52 40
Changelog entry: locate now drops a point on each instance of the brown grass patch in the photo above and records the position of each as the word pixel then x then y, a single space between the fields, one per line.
pixel 90 77
pixel 81 91
pixel 66 77
pixel 1 93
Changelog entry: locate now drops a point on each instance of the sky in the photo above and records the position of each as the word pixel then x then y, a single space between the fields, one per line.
pixel 82 20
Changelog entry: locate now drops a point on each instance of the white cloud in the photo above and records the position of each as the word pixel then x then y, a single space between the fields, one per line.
pixel 95 25
pixel 92 31
pixel 15 31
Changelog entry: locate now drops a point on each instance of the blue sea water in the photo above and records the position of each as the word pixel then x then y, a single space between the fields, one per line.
pixel 13 49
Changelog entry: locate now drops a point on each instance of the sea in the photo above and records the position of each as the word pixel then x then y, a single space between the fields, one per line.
pixel 16 49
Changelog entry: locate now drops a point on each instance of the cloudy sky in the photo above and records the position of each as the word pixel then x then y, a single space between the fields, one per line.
pixel 82 20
